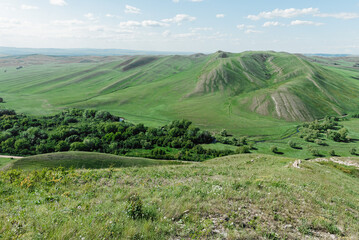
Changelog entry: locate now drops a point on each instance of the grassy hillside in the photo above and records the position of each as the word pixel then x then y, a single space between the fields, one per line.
pixel 235 197
pixel 239 92
pixel 87 160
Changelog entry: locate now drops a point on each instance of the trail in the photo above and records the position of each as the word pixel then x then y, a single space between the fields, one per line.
pixel 14 157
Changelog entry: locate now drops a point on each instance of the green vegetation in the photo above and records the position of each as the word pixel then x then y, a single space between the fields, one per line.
pixel 5 161
pixel 248 94
pixel 85 160
pixel 234 197
pixel 99 131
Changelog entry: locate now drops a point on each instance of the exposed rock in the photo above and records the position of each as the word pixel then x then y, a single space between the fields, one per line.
pixel 297 163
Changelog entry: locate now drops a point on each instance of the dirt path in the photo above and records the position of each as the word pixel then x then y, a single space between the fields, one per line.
pixel 14 157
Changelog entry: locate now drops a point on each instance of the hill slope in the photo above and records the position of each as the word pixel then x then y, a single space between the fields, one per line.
pixel 89 160
pixel 234 197
pixel 223 90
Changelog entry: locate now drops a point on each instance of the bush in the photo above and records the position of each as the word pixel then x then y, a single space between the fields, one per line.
pixel 224 133
pixel 353 151
pixel 318 142
pixel 314 152
pixel 274 149
pixel 134 207
pixel 292 144
pixel 243 149
pixel 332 152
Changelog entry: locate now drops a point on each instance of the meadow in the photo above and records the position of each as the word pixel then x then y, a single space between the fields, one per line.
pixel 265 100
pixel 242 196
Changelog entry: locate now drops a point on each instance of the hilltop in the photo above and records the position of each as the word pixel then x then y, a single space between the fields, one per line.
pixel 238 92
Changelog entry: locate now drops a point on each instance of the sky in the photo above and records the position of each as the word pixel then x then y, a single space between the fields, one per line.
pixel 305 26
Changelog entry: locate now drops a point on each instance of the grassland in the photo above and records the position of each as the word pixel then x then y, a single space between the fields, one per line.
pixel 251 93
pixel 86 160
pixel 236 197
pixel 5 161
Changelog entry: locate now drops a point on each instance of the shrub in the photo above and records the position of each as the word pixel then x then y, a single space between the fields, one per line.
pixel 292 144
pixel 314 152
pixel 353 151
pixel 243 149
pixel 134 208
pixel 274 149
pixel 332 152
pixel 318 142
pixel 224 133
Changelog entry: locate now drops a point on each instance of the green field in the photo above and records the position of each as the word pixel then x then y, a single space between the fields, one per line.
pixel 86 160
pixel 5 161
pixel 251 93
pixel 235 197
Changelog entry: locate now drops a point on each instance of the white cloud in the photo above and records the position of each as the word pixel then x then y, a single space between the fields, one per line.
pixel 272 24
pixel 284 13
pixel 131 9
pixel 58 2
pixel 241 26
pixel 201 29
pixel 179 18
pixel 28 7
pixel 145 23
pixel 249 31
pixel 90 16
pixel 71 22
pixel 343 15
pixel 152 23
pixel 220 15
pixel 196 0
pixel 175 1
pixel 300 22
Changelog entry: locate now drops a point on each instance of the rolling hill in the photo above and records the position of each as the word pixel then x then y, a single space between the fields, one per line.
pixel 247 93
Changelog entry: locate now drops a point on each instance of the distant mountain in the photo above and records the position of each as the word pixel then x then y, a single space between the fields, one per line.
pixel 81 52
pixel 327 55
pixel 251 92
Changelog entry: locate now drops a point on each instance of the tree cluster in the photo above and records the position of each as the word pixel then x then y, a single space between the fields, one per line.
pixel 100 131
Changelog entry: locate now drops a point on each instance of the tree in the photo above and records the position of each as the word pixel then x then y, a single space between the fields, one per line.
pixel 78 146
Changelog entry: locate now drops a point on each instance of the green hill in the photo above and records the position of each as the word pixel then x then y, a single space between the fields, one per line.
pixel 236 197
pixel 247 93
pixel 88 160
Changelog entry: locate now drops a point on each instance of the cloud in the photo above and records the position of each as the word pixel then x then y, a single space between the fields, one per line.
pixel 248 28
pixel 175 1
pixel 196 0
pixel 145 23
pixel 284 13
pixel 179 18
pixel 272 24
pixel 58 2
pixel 249 31
pixel 220 15
pixel 343 15
pixel 71 22
pixel 152 23
pixel 166 33
pixel 28 7
pixel 300 22
pixel 131 9
pixel 90 16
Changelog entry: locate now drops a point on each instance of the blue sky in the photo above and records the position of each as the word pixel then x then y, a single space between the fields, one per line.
pixel 304 26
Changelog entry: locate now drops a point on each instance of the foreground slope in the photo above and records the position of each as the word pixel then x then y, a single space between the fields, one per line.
pixel 223 90
pixel 234 197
